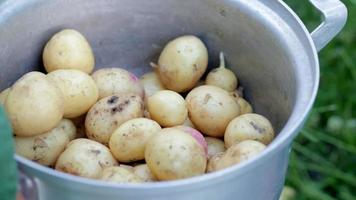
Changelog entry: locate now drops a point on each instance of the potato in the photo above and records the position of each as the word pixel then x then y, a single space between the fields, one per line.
pixel 245 106
pixel 128 167
pixel 249 127
pixel 78 88
pixel 151 84
pixel 211 109
pixel 128 142
pixel 3 96
pixel 46 148
pixel 172 154
pixel 68 49
pixel 215 146
pixel 109 113
pixel 86 158
pixel 144 173
pixel 196 135
pixel 237 153
pixel 34 105
pixel 182 63
pixel 119 175
pixel 222 77
pixel 188 122
pixel 168 108
pixel 112 81
pixel 79 123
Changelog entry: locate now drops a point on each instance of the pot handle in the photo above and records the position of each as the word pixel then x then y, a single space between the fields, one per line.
pixel 334 18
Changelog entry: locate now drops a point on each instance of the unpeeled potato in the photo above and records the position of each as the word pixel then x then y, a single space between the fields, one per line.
pixel 3 96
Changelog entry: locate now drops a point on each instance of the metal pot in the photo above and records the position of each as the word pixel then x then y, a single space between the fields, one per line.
pixel 265 43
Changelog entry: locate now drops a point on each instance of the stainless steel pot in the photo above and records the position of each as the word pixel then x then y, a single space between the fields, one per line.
pixel 265 43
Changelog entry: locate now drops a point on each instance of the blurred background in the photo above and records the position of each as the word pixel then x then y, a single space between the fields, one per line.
pixel 323 160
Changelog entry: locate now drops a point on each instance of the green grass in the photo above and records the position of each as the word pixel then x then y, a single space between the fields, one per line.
pixel 323 160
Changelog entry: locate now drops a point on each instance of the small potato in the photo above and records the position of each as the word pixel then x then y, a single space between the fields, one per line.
pixel 119 175
pixel 249 127
pixel 34 105
pixel 144 173
pixel 3 96
pixel 68 49
pixel 189 123
pixel 182 63
pixel 237 153
pixel 151 83
pixel 222 77
pixel 128 142
pixel 128 167
pixel 46 148
pixel 109 113
pixel 168 108
pixel 211 109
pixel 86 158
pixel 245 106
pixel 78 88
pixel 215 146
pixel 173 154
pixel 112 81
pixel 196 135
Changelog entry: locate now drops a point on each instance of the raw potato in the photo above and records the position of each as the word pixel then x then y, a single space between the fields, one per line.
pixel 46 148
pixel 34 105
pixel 222 77
pixel 215 146
pixel 128 142
pixel 213 162
pixel 109 113
pixel 78 88
pixel 68 49
pixel 3 96
pixel 196 135
pixel 168 108
pixel 119 175
pixel 237 153
pixel 86 158
pixel 172 154
pixel 245 107
pixel 189 123
pixel 128 167
pixel 112 81
pixel 144 173
pixel 182 63
pixel 151 84
pixel 211 109
pixel 249 127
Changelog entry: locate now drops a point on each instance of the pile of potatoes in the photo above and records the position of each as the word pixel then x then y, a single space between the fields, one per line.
pixel 112 126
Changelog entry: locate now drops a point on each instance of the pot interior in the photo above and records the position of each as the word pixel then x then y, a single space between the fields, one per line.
pixel 131 34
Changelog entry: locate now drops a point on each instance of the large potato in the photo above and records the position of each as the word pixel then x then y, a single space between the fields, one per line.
pixel 144 173
pixel 3 96
pixel 46 148
pixel 196 135
pixel 68 49
pixel 86 158
pixel 211 109
pixel 34 105
pixel 78 88
pixel 112 81
pixel 109 113
pixel 173 154
pixel 249 127
pixel 182 63
pixel 215 146
pixel 151 84
pixel 119 175
pixel 128 142
pixel 168 108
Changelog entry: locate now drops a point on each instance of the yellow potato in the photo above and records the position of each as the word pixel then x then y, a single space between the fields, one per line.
pixel 213 162
pixel 144 173
pixel 215 146
pixel 128 167
pixel 245 106
pixel 128 142
pixel 173 154
pixel 68 49
pixel 151 84
pixel 211 109
pixel 3 96
pixel 188 123
pixel 182 63
pixel 168 108
pixel 34 105
pixel 119 175
pixel 222 77
pixel 249 127
pixel 86 158
pixel 112 81
pixel 78 88
pixel 46 148
pixel 109 113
